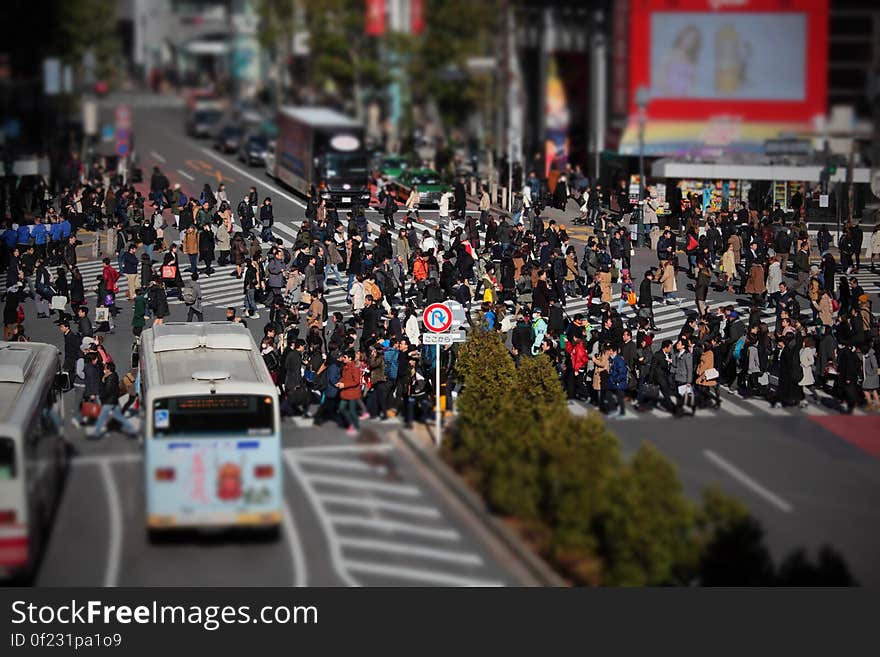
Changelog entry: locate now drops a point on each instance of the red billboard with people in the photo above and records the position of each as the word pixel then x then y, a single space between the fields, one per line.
pixel 757 60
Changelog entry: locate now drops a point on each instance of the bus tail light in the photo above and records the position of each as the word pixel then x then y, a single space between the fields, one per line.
pixel 7 517
pixel 264 471
pixel 14 551
pixel 164 474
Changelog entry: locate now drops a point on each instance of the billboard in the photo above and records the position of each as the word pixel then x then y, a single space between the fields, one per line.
pixel 762 60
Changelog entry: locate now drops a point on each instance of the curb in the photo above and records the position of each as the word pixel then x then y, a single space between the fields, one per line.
pixel 542 573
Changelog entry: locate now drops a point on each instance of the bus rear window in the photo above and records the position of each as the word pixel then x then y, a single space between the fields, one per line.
pixel 213 415
pixel 7 459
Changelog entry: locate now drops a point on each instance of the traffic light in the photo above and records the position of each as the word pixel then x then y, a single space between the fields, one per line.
pixel 831 168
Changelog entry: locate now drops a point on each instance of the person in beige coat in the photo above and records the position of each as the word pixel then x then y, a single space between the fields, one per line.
pixel 874 245
pixel 755 282
pixel 654 235
pixel 601 365
pixel 412 203
pixel 668 283
pixel 727 271
pixel 707 388
pixel 603 277
pixel 736 242
pixel 822 306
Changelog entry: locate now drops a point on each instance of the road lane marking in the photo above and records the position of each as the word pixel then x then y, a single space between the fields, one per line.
pixel 339 464
pixel 111 572
pixel 185 174
pixel 297 556
pixel 748 482
pixel 409 549
pixel 418 575
pixel 157 157
pixel 199 165
pixel 259 181
pixel 732 408
pixel 815 410
pixel 365 484
pixel 323 519
pixel 394 527
pixel 764 405
pixel 375 504
pixel 381 447
pixel 108 459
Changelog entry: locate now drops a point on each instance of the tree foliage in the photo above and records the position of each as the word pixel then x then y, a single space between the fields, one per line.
pixel 344 61
pixel 89 25
pixel 346 65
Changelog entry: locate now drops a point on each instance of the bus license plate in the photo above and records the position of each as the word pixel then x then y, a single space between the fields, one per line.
pixel 346 199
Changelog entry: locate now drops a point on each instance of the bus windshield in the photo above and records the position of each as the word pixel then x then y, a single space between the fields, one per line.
pixel 211 415
pixel 346 164
pixel 424 179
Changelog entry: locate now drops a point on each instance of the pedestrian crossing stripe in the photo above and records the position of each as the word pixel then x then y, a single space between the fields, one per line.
pixel 732 406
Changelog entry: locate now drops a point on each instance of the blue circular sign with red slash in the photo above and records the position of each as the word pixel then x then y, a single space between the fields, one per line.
pixel 437 317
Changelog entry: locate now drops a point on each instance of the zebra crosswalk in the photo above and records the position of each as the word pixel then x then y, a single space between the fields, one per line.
pixel 732 406
pixel 222 289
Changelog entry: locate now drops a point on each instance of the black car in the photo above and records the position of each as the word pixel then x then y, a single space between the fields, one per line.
pixel 253 150
pixel 229 139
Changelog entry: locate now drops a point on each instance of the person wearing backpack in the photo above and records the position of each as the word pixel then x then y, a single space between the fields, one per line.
pixel 147 237
pixel 295 385
pixel 617 380
pixel 192 297
pixel 326 378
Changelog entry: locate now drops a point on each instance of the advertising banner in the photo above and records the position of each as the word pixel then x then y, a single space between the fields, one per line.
pixel 756 60
pixel 417 16
pixel 556 120
pixel 374 25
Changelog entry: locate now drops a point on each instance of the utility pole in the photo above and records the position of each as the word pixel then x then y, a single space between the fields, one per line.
pixel 599 94
pixel 510 109
pixel 643 96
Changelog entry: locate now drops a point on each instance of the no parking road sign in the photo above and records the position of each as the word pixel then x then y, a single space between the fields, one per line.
pixel 437 317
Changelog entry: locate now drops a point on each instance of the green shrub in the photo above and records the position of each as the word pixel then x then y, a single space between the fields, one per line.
pixel 646 526
pixel 597 518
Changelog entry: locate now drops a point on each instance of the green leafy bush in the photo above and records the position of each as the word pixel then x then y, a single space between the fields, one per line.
pixel 600 520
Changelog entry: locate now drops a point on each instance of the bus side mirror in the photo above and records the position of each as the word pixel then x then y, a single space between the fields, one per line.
pixel 62 381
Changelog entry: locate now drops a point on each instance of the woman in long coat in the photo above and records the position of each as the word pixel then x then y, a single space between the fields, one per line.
pixel 755 283
pixel 790 373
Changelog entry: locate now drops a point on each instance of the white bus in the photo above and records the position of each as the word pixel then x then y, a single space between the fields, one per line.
pixel 212 430
pixel 33 454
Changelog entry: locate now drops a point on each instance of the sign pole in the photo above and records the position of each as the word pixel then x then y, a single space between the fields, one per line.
pixel 437 435
pixel 438 319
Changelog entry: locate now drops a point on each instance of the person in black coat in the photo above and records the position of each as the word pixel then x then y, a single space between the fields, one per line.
pixel 849 369
pixel 110 405
pixel 298 395
pixel 646 299
pixel 555 318
pixel 72 351
pixel 523 336
pixel 370 318
pixel 790 393
pixel 541 294
pixel 460 198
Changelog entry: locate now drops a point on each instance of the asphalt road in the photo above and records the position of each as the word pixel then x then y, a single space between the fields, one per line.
pixel 366 514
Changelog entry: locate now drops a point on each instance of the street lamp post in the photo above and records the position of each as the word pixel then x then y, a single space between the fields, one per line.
pixel 643 95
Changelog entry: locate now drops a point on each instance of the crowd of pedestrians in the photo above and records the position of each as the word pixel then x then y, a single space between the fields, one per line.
pixel 514 275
